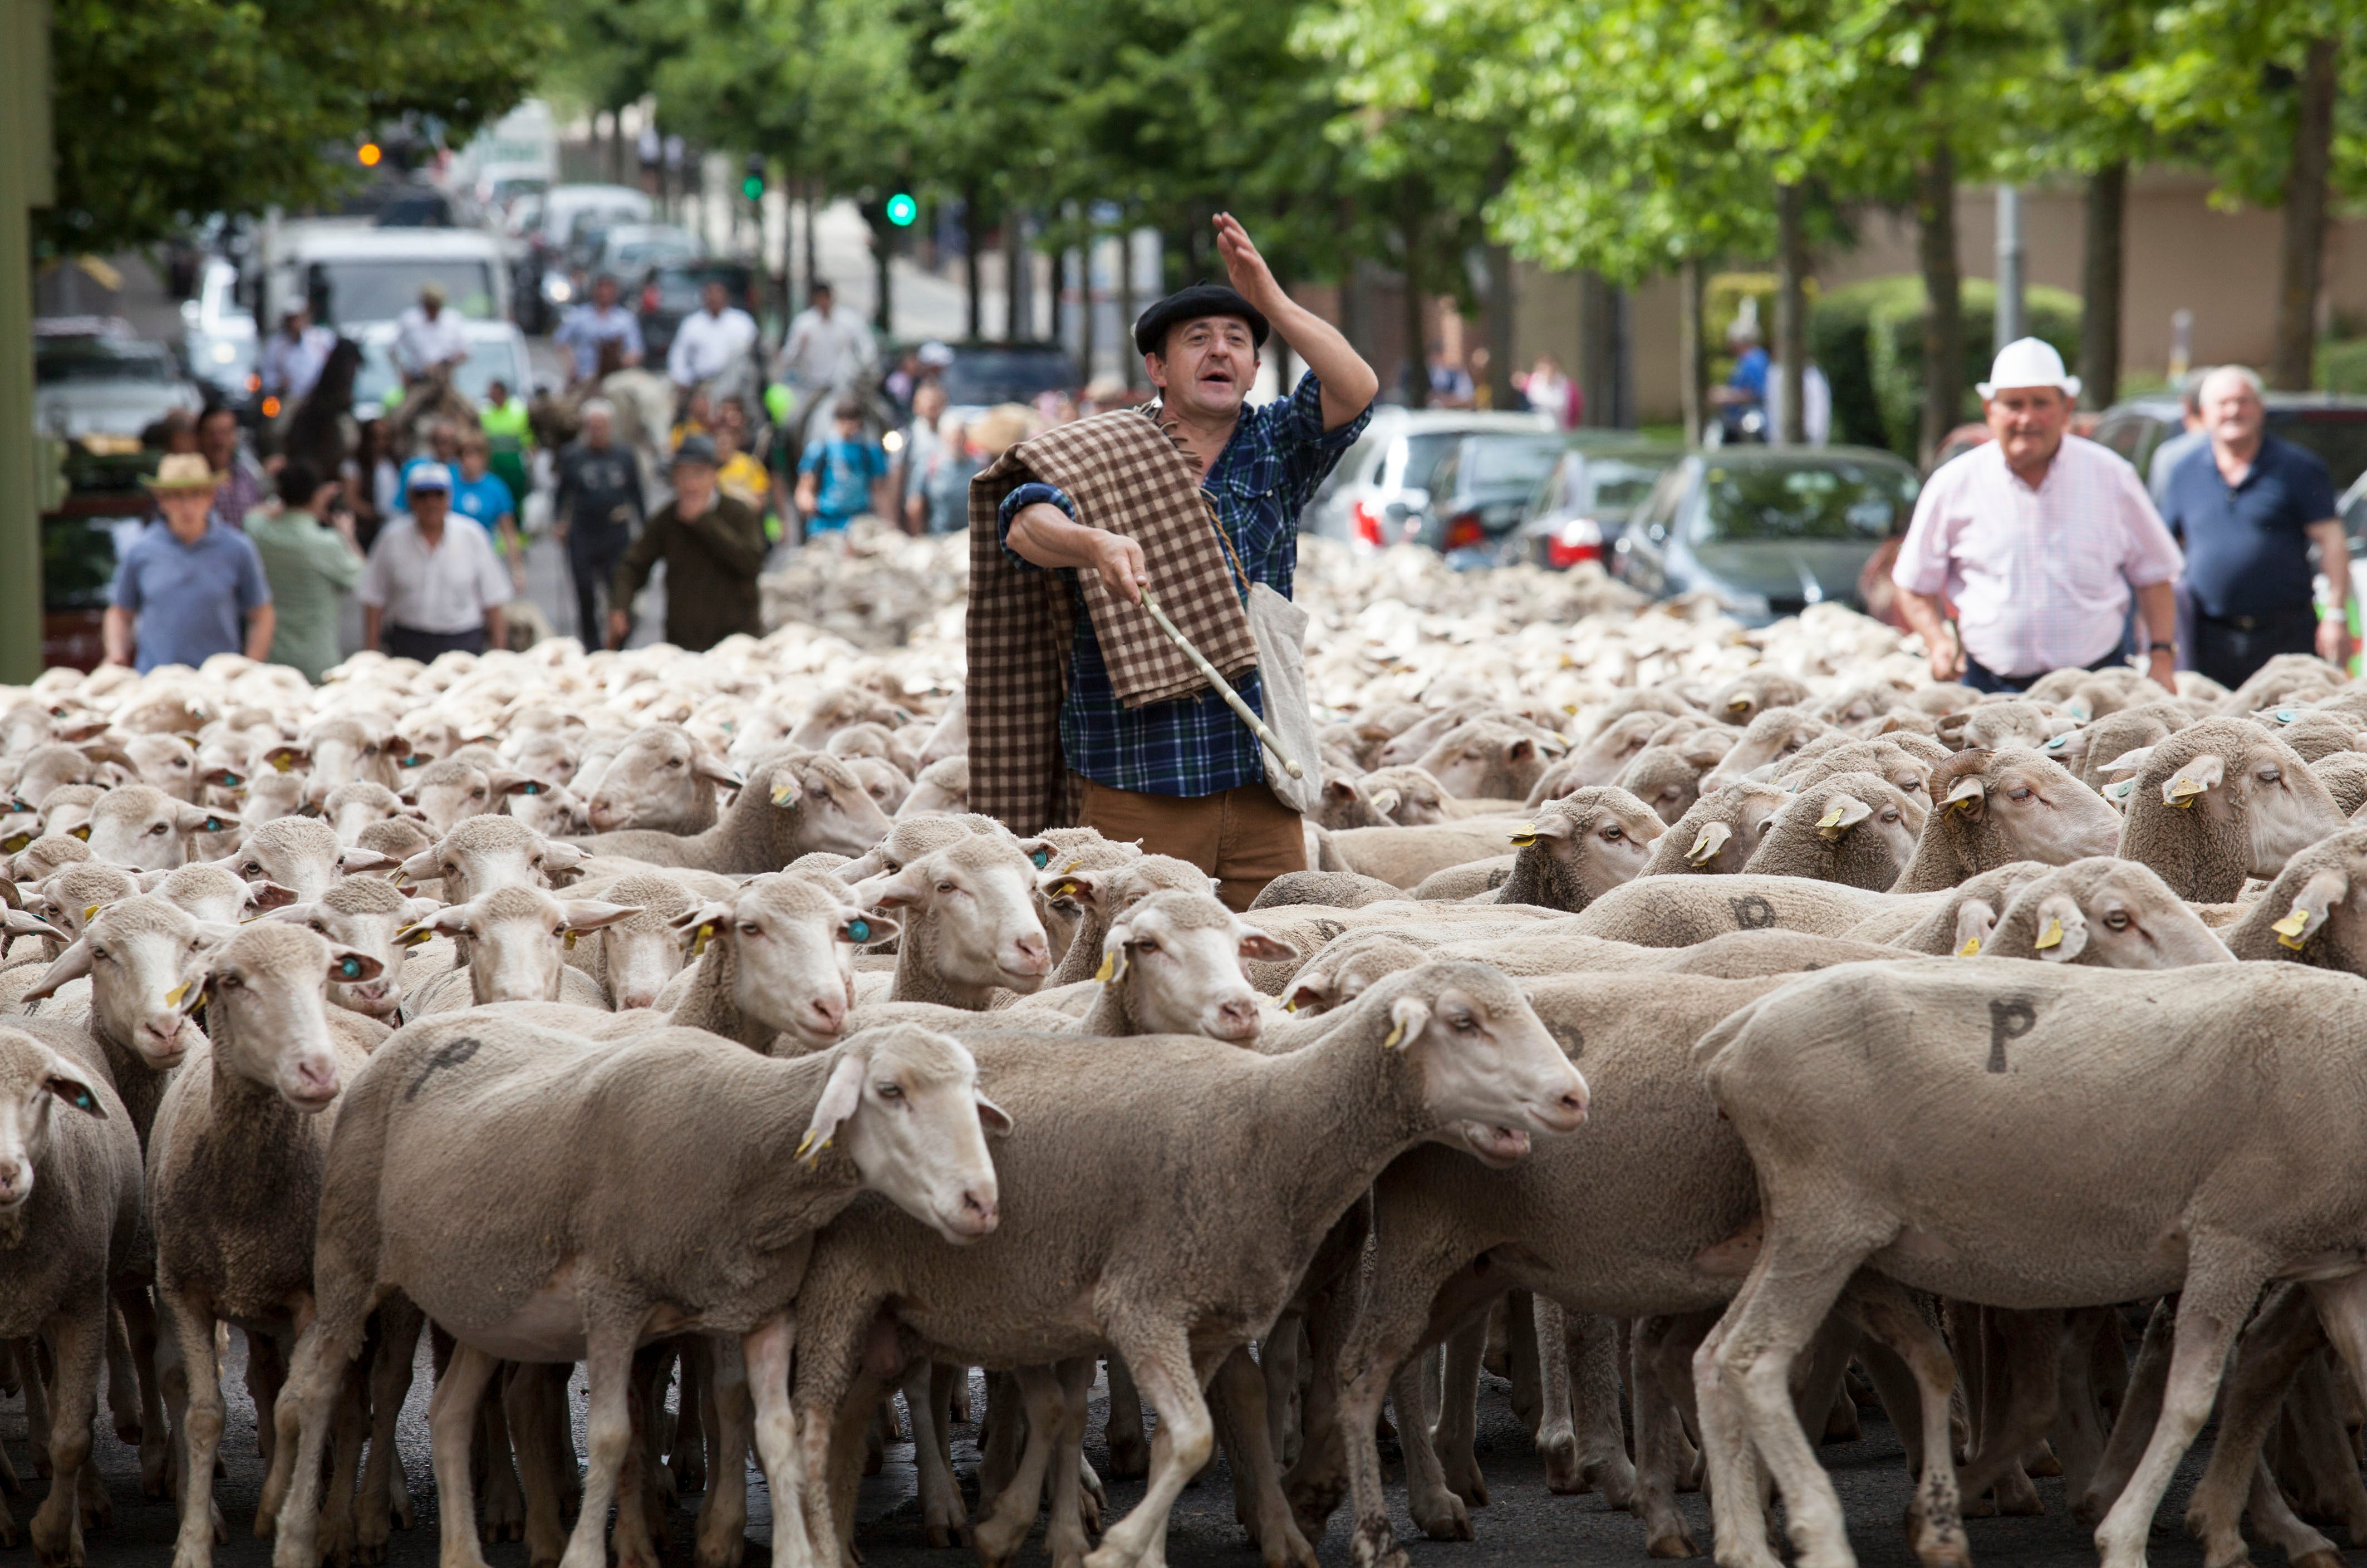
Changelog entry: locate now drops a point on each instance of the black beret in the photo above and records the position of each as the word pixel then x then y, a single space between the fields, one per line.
pixel 1190 305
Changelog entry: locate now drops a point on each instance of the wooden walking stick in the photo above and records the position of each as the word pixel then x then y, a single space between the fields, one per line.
pixel 1273 742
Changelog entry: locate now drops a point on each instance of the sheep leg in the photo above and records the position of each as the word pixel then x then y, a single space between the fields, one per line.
pixel 1319 1476
pixel 1659 1350
pixel 1732 1473
pixel 346 1434
pixel 452 1424
pixel 1590 1359
pixel 999 1446
pixel 2078 1435
pixel 2220 1291
pixel 504 1502
pixel 2140 1409
pixel 384 1497
pixel 945 1516
pixel 1004 1529
pixel 1171 1378
pixel 1458 1415
pixel 302 1415
pixel 523 1387
pixel 265 1372
pixel 1521 1356
pixel 2021 1362
pixel 765 1350
pixel 1129 1450
pixel 641 1478
pixel 78 1337
pixel 1935 1526
pixel 122 1381
pixel 722 1532
pixel 2323 1450
pixel 2284 1334
pixel 1278 1364
pixel 608 1436
pixel 1064 1536
pixel 191 1317
pixel 687 1456
pixel 1240 1389
pixel 155 1441
pixel 1553 1423
pixel 37 1404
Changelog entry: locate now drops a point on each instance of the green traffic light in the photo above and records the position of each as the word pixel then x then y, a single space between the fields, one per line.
pixel 902 209
pixel 752 187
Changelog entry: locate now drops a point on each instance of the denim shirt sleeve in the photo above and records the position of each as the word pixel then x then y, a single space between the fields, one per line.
pixel 1028 495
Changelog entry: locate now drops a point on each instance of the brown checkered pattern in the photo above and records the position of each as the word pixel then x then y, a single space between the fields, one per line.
pixel 1126 475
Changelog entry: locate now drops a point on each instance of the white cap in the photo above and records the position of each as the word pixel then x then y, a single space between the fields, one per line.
pixel 936 354
pixel 430 475
pixel 2028 361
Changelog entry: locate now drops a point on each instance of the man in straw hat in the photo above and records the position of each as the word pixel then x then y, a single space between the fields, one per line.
pixel 190 587
pixel 427 339
pixel 1096 717
pixel 2038 537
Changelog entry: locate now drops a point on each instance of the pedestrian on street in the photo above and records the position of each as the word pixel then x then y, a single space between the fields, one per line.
pixel 443 451
pixel 191 586
pixel 482 496
pixel 596 511
pixel 922 448
pixel 824 351
pixel 291 361
pixel 225 448
pixel 599 321
pixel 1184 776
pixel 2248 506
pixel 843 476
pixel 434 584
pixel 713 547
pixel 311 559
pixel 710 341
pixel 741 477
pixel 2190 437
pixel 429 338
pixel 509 434
pixel 2039 537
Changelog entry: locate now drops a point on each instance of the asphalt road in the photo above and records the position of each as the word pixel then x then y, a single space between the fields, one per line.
pixel 1522 1524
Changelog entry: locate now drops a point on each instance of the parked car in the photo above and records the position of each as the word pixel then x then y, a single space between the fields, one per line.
pixel 984 374
pixel 497 351
pixel 217 342
pixel 631 250
pixel 92 377
pixel 1480 492
pixel 547 282
pixel 670 292
pixel 1582 505
pixel 2330 424
pixel 1767 531
pixel 1380 493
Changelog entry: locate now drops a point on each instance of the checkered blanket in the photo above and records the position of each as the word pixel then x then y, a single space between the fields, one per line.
pixel 1124 473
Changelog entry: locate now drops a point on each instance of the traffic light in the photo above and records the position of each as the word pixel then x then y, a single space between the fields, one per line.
pixel 753 185
pixel 370 153
pixel 902 209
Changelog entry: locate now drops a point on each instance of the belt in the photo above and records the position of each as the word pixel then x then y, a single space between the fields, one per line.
pixel 2254 623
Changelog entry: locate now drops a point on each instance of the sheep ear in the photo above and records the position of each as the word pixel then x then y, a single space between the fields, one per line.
pixel 2312 906
pixel 563 861
pixel 284 757
pixel 1303 994
pixel 1842 812
pixel 1257 947
pixel 992 1120
pixel 424 866
pixel 1080 887
pixel 2196 778
pixel 72 1085
pixel 450 921
pixel 1976 918
pixel 417 909
pixel 896 890
pixel 71 964
pixel 840 1096
pixel 1409 1015
pixel 200 819
pixel 1113 967
pixel 15 923
pixel 787 790
pixel 1520 751
pixel 295 914
pixel 1969 796
pixel 697 925
pixel 1387 800
pixel 349 967
pixel 149 881
pixel 2062 930
pixel 2128 762
pixel 1039 851
pixel 269 896
pixel 591 914
pixel 353 859
pixel 713 772
pixel 1711 839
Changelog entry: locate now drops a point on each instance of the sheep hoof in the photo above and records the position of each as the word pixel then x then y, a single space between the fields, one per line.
pixel 2329 1558
pixel 8 1536
pixel 1841 1425
pixel 1564 1475
pixel 1676 1543
pixel 1130 1461
pixel 1453 1523
pixel 944 1536
pixel 2043 1466
pixel 1373 1545
pixel 127 1433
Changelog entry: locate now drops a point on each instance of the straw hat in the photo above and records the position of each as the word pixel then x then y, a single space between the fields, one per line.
pixel 183 471
pixel 1003 426
pixel 2028 361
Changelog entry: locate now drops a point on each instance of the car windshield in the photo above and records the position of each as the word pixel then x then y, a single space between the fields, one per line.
pixel 1489 464
pixel 99 359
pixel 651 252
pixel 1618 485
pixel 1423 455
pixel 2340 443
pixel 1836 500
pixel 989 376
pixel 343 292
pixel 489 359
pixel 680 287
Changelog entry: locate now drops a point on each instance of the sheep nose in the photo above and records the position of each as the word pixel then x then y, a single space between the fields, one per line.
pixel 1238 1016
pixel 829 1014
pixel 979 1208
pixel 15 1180
pixel 627 1000
pixel 317 1077
pixel 1035 956
pixel 166 1026
pixel 600 815
pixel 1573 1104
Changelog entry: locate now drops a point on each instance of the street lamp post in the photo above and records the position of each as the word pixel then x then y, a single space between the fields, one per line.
pixel 2013 317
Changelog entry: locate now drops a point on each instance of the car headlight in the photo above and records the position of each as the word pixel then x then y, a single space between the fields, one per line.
pixel 224 352
pixel 556 290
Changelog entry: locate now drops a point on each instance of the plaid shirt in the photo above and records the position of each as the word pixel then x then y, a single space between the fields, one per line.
pixel 1197 746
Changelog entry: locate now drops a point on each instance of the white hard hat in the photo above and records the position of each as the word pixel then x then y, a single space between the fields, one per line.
pixel 2028 361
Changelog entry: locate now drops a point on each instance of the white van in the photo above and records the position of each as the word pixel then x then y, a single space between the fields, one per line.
pixel 352 275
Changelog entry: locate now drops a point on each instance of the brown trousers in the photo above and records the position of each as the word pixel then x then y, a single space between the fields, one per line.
pixel 1243 837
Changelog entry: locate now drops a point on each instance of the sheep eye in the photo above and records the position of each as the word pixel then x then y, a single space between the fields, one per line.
pixel 1466 1025
pixel 231 982
pixel 891 1092
pixel 2117 921
pixel 157 831
pixel 318 927
pixel 1611 835
pixel 945 887
pixel 750 928
pixel 475 795
pixel 1890 816
pixel 252 868
pixel 1146 945
pixel 2018 793
pixel 2270 775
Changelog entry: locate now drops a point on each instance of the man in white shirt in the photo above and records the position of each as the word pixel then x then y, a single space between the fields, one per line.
pixel 432 584
pixel 825 350
pixel 709 339
pixel 292 359
pixel 427 339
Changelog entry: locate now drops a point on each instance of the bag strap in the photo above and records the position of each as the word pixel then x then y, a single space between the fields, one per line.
pixel 1225 540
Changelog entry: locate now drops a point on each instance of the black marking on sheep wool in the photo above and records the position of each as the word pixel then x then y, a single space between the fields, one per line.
pixel 1753 913
pixel 452 1055
pixel 2008 1020
pixel 1327 929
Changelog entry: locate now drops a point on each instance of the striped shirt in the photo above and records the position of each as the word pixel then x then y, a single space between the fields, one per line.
pixel 2040 576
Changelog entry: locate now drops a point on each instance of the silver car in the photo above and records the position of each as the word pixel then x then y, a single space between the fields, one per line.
pixel 1380 492
pixel 92 376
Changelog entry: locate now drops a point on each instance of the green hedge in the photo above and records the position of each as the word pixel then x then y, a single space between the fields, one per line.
pixel 2342 366
pixel 1868 337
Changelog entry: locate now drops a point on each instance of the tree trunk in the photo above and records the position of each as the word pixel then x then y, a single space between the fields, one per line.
pixel 1127 355
pixel 1089 332
pixel 813 266
pixel 1943 315
pixel 1417 326
pixel 1501 392
pixel 1015 277
pixel 973 237
pixel 2100 284
pixel 2301 266
pixel 1689 347
pixel 1792 311
pixel 882 315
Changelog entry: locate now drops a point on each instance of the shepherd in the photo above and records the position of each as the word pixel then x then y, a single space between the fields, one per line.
pixel 1098 718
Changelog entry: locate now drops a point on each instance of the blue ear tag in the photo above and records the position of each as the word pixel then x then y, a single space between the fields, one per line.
pixel 533 789
pixel 1042 858
pixel 859 931
pixel 349 968
pixel 213 825
pixel 232 780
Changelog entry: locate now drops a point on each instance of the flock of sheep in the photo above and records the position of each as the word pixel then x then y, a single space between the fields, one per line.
pixel 667 1014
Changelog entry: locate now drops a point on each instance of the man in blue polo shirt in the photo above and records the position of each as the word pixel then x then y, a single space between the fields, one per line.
pixel 2247 508
pixel 184 588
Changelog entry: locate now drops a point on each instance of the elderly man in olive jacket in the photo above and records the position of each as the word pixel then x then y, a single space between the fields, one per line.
pixel 713 547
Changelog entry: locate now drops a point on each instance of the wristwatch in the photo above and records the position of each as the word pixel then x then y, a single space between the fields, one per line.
pixel 2168 647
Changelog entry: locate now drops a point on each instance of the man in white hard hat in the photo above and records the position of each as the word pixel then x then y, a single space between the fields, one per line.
pixel 2038 538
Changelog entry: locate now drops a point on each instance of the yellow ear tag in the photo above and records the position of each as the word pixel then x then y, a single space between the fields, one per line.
pixel 2289 930
pixel 90 912
pixel 81 832
pixel 1397 1034
pixel 279 761
pixel 699 946
pixel 782 792
pixel 2182 794
pixel 807 1143
pixel 1524 835
pixel 173 997
pixel 1113 967
pixel 1972 948
pixel 1291 1005
pixel 1062 888
pixel 1829 824
pixel 1703 849
pixel 570 941
pixel 1738 704
pixel 2052 936
pixel 16 841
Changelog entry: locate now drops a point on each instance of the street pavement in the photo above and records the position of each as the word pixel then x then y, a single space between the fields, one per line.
pixel 1522 1524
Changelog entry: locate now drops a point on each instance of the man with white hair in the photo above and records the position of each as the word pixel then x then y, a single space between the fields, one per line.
pixel 2038 538
pixel 2247 507
pixel 596 512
